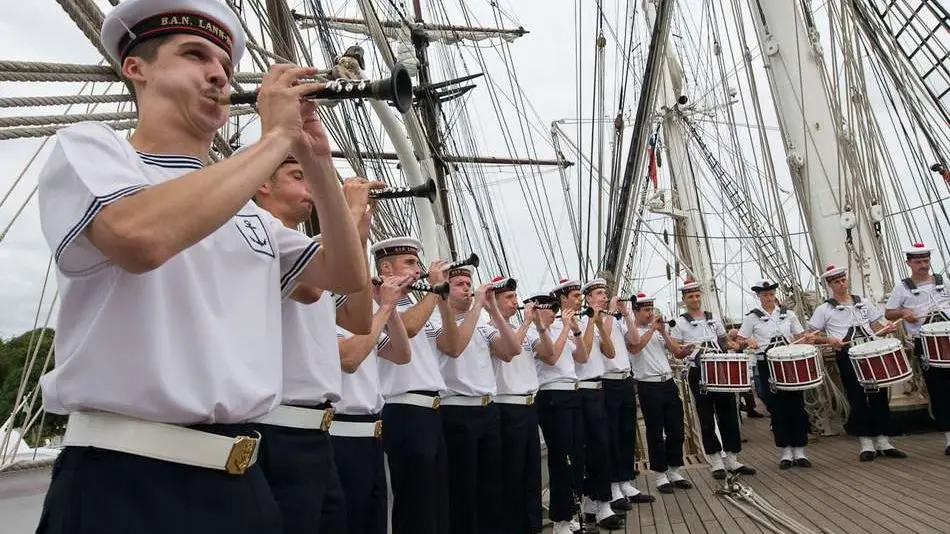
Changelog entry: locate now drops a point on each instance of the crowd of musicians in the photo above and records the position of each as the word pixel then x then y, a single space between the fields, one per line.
pixel 224 372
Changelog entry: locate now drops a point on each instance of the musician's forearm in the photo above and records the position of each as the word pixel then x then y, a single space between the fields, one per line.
pixel 416 317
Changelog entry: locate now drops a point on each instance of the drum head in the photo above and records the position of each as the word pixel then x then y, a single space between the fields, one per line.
pixel 875 346
pixel 791 351
pixel 938 328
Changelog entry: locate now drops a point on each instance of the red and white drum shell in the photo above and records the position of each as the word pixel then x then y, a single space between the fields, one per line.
pixel 725 372
pixel 935 338
pixel 880 363
pixel 795 367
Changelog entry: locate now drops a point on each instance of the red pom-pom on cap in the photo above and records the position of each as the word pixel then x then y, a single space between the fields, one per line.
pixel 641 295
pixel 497 279
pixel 829 267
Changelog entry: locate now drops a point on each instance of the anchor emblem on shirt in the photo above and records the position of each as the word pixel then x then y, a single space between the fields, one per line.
pixel 250 226
pixel 255 235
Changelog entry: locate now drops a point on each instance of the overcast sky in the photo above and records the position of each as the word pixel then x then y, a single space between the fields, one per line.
pixel 545 61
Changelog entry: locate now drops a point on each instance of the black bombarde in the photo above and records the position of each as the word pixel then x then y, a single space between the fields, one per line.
pixel 396 90
pixel 442 289
pixel 471 260
pixel 589 312
pixel 426 190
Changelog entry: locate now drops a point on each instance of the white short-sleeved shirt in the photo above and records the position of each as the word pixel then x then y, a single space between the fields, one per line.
pixel 422 372
pixel 926 300
pixel 361 394
pixel 698 331
pixel 471 374
pixel 779 323
pixel 621 360
pixel 197 340
pixel 835 321
pixel 312 373
pixel 563 368
pixel 652 361
pixel 593 368
pixel 518 377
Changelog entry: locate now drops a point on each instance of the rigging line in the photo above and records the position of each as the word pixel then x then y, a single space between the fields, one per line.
pixel 578 74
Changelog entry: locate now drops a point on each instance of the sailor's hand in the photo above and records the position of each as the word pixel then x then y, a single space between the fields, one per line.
pixel 889 328
pixel 392 289
pixel 567 318
pixel 437 272
pixel 483 295
pixel 910 317
pixel 529 314
pixel 733 345
pixel 356 192
pixel 280 104
pixel 752 344
pixel 836 343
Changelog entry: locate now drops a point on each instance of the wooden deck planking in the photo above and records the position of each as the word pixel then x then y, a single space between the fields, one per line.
pixel 838 495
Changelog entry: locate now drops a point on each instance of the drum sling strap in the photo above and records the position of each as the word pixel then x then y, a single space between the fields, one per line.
pixel 776 341
pixel 705 346
pixel 854 333
pixel 935 315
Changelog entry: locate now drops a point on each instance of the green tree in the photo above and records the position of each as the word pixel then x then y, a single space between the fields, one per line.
pixel 15 353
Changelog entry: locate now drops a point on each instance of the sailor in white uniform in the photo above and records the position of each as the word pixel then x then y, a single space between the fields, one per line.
pixel 168 340
pixel 517 385
pixel 920 299
pixel 414 441
pixel 706 332
pixel 620 401
pixel 356 432
pixel 470 419
pixel 594 454
pixel 660 402
pixel 843 319
pixel 296 454
pixel 559 406
pixel 771 325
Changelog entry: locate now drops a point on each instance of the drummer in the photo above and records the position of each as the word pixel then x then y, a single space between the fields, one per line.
pixel 843 320
pixel 771 325
pixel 700 328
pixel 918 300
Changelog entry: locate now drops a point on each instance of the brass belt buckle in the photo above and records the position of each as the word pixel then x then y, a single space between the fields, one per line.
pixel 436 402
pixel 378 429
pixel 327 420
pixel 529 400
pixel 242 451
pixel 486 399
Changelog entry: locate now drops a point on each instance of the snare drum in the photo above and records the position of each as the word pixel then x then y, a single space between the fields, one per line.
pixel 725 372
pixel 795 367
pixel 880 363
pixel 935 338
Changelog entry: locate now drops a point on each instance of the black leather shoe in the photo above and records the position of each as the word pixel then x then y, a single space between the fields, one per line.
pixel 682 484
pixel 719 474
pixel 866 456
pixel 641 498
pixel 665 488
pixel 892 453
pixel 620 505
pixel 785 464
pixel 754 414
pixel 614 522
pixel 743 470
pixel 802 462
pixel 947 450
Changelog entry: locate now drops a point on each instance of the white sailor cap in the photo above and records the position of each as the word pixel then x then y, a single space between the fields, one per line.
pixel 464 270
pixel 643 301
pixel 396 246
pixel 502 284
pixel 764 285
pixel 833 273
pixel 135 21
pixel 565 286
pixel 916 251
pixel 596 283
pixel 690 285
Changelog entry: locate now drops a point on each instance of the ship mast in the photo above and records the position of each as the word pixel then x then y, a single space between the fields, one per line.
pixel 837 215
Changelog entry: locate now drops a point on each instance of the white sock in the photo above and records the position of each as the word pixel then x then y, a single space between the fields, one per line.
pixel 946 438
pixel 732 461
pixel 574 525
pixel 715 461
pixel 866 444
pixel 662 479
pixel 562 527
pixel 882 443
pixel 786 454
pixel 588 505
pixel 674 474
pixel 615 492
pixel 799 453
pixel 603 511
pixel 628 489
